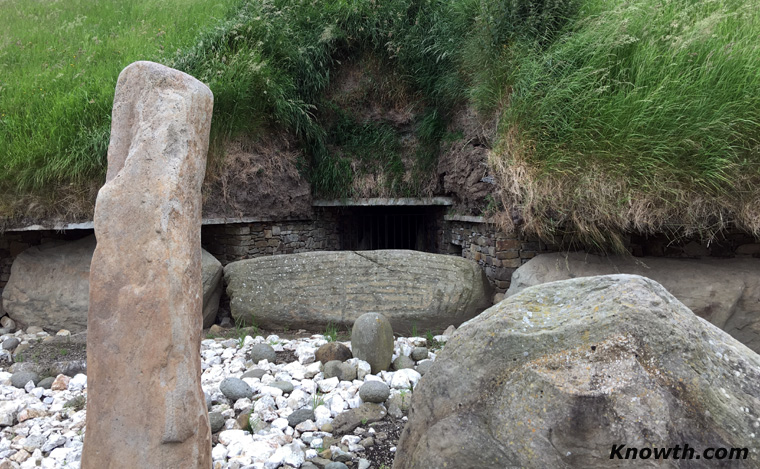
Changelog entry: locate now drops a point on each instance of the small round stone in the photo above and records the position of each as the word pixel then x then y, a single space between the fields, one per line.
pixel 424 367
pixel 333 351
pixel 332 369
pixel 374 391
pixel 10 344
pixel 254 373
pixel 235 388
pixel 262 352
pixel 419 353
pixel 20 378
pixel 46 383
pixel 300 415
pixel 402 361
pixel 216 420
pixel 285 386
pixel 343 371
pixel 347 372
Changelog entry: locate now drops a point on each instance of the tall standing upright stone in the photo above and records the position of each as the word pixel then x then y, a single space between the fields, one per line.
pixel 145 405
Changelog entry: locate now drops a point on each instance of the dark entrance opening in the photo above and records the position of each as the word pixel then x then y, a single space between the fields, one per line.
pixel 390 227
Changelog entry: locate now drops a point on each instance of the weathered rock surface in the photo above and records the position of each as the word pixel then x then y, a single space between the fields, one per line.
pixel 556 375
pixel 49 285
pixel 310 290
pixel 145 405
pixel 372 341
pixel 211 276
pixel 723 291
pixel 333 351
pixel 374 391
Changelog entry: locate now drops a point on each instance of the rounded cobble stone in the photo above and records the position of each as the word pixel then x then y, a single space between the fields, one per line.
pixel 374 391
pixel 235 388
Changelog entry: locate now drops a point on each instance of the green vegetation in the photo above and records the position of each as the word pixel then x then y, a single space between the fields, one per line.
pixel 331 332
pixel 317 400
pixel 613 115
pixel 77 403
pixel 60 61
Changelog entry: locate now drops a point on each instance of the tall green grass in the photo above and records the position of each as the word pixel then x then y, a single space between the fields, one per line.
pixel 58 65
pixel 659 97
pixel 646 86
pixel 643 114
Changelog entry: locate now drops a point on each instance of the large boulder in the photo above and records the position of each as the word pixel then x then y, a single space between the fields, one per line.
pixel 560 374
pixel 310 290
pixel 145 404
pixel 723 291
pixel 49 286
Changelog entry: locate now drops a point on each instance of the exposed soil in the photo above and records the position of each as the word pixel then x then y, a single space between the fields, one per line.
pixel 56 355
pixel 463 161
pixel 386 436
pixel 259 178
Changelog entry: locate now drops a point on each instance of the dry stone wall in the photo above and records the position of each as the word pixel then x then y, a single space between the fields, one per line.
pixel 230 243
pixel 498 253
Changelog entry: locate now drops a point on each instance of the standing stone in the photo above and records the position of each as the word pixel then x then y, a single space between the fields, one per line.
pixel 145 405
pixel 372 341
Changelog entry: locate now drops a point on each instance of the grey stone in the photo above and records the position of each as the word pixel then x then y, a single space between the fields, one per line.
pixel 584 364
pixel 20 378
pixel 343 371
pixel 336 465
pixel 6 322
pixel 331 369
pixel 374 391
pixel 262 352
pixel 362 415
pixel 424 366
pixel 211 276
pixel 402 361
pixel 216 421
pixel 309 465
pixel 45 383
pixel 254 373
pixel 145 403
pixel 419 353
pixel 49 285
pixel 235 388
pixel 408 287
pixel 372 341
pixel 285 386
pixel 11 343
pixel 333 351
pixel 300 415
pixel 341 456
pixel 722 291
pixel 347 372
pixel 398 403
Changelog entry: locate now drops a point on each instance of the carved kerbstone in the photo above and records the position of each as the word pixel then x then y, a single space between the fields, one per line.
pixel 145 405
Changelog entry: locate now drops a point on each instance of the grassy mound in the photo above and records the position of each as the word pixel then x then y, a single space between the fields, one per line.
pixel 614 115
pixel 60 61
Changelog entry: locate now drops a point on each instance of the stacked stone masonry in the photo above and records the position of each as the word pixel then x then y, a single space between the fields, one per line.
pixel 230 243
pixel 499 254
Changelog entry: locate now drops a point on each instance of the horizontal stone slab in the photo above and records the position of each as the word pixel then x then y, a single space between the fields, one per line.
pixel 310 290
